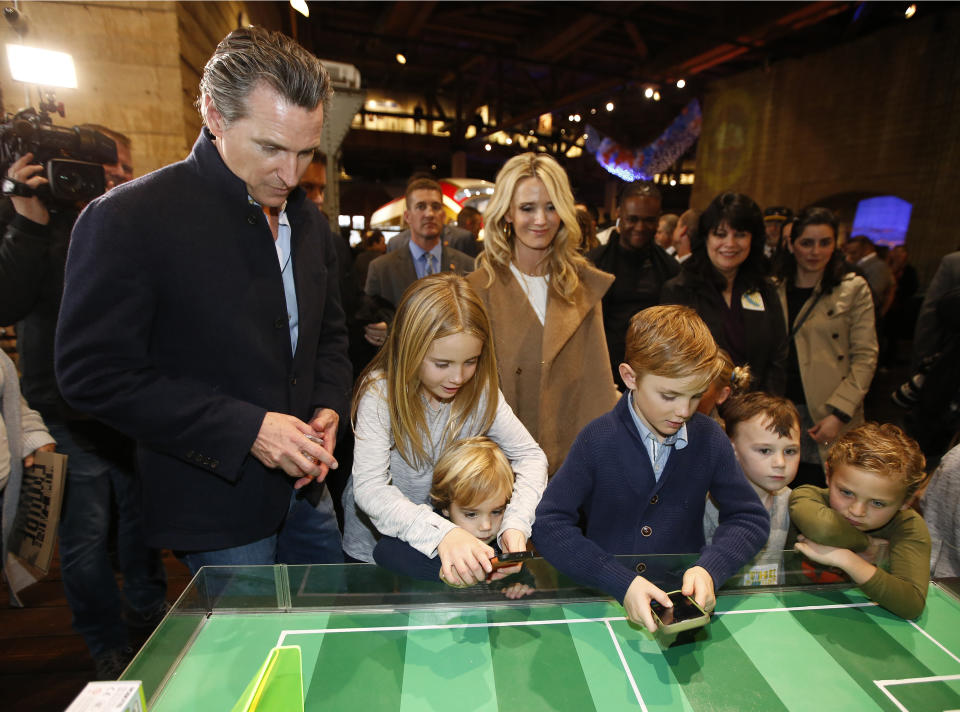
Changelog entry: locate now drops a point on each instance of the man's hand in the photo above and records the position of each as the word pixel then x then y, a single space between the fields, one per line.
pixel 375 334
pixel 22 171
pixel 285 442
pixel 325 424
pixel 512 540
pixel 636 602
pixel 698 584
pixel 826 431
pixel 465 560
pixel 29 459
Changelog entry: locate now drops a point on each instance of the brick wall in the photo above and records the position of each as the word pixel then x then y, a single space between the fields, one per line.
pixel 874 116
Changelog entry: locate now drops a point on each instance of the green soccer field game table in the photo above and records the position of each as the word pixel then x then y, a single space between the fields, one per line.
pixel 371 641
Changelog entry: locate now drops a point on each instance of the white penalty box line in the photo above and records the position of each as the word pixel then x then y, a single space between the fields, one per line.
pixel 605 620
pixel 884 684
pixel 554 621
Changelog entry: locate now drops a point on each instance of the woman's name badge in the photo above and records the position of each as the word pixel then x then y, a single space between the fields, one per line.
pixel 752 301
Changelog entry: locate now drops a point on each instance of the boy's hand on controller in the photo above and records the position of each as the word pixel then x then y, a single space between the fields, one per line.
pixel 510 541
pixel 636 602
pixel 698 584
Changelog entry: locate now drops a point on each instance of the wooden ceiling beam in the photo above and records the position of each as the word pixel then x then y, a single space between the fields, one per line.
pixel 634 34
pixel 573 36
pixel 405 19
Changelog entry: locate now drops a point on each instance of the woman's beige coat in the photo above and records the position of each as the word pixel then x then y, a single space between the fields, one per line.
pixel 556 377
pixel 836 349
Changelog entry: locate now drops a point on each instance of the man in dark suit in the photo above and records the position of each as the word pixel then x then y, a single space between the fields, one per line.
pixel 470 221
pixel 201 316
pixel 389 276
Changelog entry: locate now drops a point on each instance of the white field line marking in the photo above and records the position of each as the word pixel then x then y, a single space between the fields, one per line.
pixel 915 680
pixel 558 621
pixel 883 684
pixel 796 608
pixel 626 668
pixel 935 641
pixel 446 626
pixel 893 699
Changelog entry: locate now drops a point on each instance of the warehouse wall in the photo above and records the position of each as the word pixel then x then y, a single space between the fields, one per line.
pixel 875 116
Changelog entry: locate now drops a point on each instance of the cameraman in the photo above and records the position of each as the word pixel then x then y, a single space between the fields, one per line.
pixel 100 476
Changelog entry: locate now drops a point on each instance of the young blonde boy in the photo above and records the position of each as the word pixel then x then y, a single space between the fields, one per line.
pixel 873 472
pixel 765 433
pixel 640 474
pixel 472 485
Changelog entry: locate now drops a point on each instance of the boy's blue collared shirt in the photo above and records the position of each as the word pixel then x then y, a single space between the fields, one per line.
pixel 659 452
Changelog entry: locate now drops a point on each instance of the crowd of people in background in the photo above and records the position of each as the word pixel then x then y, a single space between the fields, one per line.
pixel 521 380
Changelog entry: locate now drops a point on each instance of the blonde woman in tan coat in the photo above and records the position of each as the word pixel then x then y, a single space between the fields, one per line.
pixel 544 301
pixel 833 340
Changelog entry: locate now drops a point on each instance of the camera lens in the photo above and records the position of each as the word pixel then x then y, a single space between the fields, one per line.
pixel 69 181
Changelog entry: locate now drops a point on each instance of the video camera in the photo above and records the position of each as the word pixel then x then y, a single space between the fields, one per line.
pixel 72 158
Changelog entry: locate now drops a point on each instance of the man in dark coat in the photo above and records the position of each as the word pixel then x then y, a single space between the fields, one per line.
pixel 202 317
pixel 639 264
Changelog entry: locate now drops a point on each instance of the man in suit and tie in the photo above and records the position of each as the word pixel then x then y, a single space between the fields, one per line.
pixel 389 276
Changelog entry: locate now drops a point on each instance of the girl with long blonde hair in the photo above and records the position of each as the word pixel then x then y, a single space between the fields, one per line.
pixel 544 300
pixel 434 382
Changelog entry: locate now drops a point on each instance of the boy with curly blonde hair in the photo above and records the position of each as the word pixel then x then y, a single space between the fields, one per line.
pixel 873 472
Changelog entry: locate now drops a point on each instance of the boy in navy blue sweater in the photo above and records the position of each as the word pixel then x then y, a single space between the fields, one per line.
pixel 639 475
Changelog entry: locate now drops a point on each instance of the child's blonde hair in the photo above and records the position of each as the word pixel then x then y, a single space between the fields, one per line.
pixel 469 472
pixel 884 450
pixel 432 308
pixel 673 342
pixel 779 414
pixel 562 257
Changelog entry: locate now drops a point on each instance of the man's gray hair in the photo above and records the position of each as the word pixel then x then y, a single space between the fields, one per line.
pixel 251 55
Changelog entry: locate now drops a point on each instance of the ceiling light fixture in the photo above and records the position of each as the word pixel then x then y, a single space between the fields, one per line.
pixel 301 7
pixel 910 11
pixel 681 83
pixel 401 59
pixel 609 106
pixel 648 92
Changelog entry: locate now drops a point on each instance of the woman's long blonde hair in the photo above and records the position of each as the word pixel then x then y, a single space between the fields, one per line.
pixel 563 258
pixel 432 308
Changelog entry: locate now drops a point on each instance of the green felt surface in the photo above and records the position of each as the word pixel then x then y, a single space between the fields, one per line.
pixel 796 650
